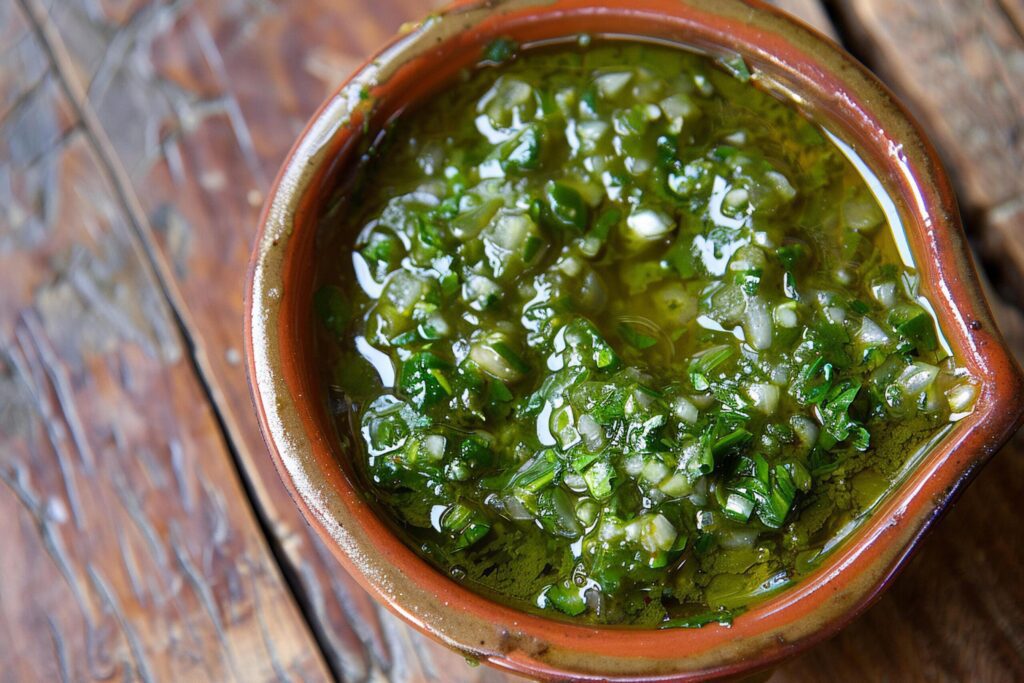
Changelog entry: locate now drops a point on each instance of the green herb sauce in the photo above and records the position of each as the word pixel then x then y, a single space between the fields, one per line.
pixel 613 334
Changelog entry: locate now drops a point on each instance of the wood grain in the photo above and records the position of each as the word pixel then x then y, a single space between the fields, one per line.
pixel 199 102
pixel 130 549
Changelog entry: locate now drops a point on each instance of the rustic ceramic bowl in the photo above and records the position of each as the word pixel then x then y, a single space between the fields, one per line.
pixel 786 57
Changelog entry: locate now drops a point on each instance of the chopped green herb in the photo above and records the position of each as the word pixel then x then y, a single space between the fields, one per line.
pixel 720 617
pixel 617 336
pixel 635 339
pixel 500 50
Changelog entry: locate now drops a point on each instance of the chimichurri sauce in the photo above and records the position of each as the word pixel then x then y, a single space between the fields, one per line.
pixel 611 333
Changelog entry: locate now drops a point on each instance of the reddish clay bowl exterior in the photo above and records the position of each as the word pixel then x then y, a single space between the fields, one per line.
pixel 787 57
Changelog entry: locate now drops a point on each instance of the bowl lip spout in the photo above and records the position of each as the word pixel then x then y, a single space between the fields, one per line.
pixel 785 56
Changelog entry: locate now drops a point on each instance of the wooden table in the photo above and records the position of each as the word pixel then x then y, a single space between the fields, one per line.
pixel 145 532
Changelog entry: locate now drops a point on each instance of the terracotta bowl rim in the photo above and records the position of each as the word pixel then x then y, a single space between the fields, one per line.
pixel 783 52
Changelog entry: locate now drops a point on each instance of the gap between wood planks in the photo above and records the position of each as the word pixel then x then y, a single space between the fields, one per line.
pixel 96 136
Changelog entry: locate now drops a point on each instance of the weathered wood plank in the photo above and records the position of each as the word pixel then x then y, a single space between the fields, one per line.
pixel 199 103
pixel 1002 243
pixel 130 550
pixel 959 64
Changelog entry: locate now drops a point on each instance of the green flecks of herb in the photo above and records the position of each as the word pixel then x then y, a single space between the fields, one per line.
pixel 736 66
pixel 510 356
pixel 814 381
pixel 645 435
pixel 499 51
pixel 800 475
pixel 566 597
pixel 853 243
pixel 449 283
pixel 589 98
pixel 521 153
pixel 406 338
pixel 456 517
pixel 831 341
pixel 498 392
pixel 859 307
pixel 448 208
pixel 915 326
pixel 333 308
pixel 441 380
pixel 588 347
pixel 789 286
pixel 731 441
pixel 722 617
pixel 531 247
pixel 469 525
pixel 680 256
pixel 608 219
pixel 581 460
pixel 738 507
pixel 723 152
pixel 364 93
pixel 774 511
pixel 704 364
pixel 750 280
pixel 771 490
pixel 837 421
pixel 428 332
pixel 536 473
pixel 667 149
pixel 599 477
pixel 548 104
pixel 566 207
pixel 423 381
pixel 705 461
pixel 380 249
pixel 704 543
pixel 611 407
pixel 790 255
pixel 429 234
pixel 637 340
pixel 476 451
pixel 471 535
pixel 536 210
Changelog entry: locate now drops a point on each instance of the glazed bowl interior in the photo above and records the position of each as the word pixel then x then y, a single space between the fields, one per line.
pixel 786 58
